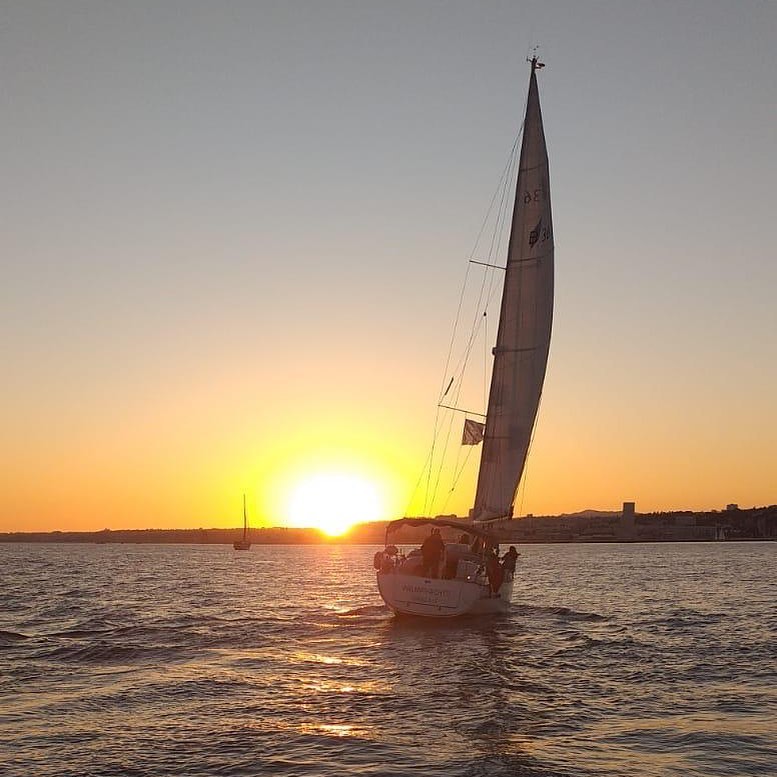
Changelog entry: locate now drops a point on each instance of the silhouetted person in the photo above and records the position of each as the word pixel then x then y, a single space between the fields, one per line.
pixel 431 553
pixel 509 559
pixel 494 572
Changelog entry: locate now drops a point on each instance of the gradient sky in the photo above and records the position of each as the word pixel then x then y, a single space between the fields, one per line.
pixel 234 234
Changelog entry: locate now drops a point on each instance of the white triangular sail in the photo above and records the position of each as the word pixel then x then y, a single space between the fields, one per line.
pixel 523 337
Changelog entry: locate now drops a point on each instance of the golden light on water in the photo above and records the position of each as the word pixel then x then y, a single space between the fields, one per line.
pixel 333 502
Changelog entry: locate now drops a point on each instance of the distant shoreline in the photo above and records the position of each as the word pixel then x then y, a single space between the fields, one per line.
pixel 341 541
pixel 588 526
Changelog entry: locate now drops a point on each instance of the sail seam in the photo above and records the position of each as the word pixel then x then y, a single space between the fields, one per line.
pixel 538 259
pixel 542 163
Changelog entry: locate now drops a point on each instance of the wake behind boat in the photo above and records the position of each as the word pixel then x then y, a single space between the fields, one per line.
pixel 518 372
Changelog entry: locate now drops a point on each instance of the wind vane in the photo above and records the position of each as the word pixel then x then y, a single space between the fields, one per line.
pixel 534 59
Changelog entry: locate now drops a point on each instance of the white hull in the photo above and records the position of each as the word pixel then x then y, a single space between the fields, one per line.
pixel 435 598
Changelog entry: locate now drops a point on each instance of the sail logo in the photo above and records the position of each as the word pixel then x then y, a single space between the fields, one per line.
pixel 539 233
pixel 534 235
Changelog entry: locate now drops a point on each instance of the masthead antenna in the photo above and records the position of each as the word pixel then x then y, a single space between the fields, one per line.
pixel 535 61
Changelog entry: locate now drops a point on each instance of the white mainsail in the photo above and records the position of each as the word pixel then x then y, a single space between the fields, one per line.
pixel 523 337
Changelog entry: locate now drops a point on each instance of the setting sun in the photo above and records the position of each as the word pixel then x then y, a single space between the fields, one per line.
pixel 334 502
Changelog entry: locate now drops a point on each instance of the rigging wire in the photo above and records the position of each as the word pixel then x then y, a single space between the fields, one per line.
pixel 485 360
pixel 456 476
pixel 489 276
pixel 486 292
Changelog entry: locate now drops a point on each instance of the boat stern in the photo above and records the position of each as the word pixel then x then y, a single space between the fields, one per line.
pixel 435 598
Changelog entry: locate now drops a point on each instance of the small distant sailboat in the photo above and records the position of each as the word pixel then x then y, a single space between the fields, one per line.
pixel 245 543
pixel 470 584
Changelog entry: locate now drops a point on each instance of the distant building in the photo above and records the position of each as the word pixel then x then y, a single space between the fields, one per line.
pixel 626 527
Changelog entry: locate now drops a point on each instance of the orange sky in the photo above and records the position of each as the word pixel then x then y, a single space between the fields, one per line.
pixel 234 244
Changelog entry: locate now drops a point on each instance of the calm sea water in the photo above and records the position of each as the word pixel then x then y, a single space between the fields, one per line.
pixel 195 660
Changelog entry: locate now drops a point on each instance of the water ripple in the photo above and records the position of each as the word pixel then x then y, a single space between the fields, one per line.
pixel 614 660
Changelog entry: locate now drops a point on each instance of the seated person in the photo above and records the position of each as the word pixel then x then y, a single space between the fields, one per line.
pixel 431 551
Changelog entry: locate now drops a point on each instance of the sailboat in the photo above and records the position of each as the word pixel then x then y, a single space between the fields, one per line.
pixel 245 543
pixel 468 582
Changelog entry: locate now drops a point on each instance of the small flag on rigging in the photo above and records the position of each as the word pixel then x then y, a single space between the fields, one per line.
pixel 473 432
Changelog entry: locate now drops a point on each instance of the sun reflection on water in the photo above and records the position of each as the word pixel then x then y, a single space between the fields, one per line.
pixel 337 729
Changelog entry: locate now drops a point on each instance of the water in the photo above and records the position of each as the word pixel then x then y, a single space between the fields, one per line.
pixel 194 660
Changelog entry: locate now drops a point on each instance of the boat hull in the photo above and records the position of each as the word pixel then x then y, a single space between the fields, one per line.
pixel 435 598
pixel 241 545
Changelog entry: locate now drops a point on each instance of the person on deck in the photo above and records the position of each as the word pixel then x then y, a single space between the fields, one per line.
pixel 431 553
pixel 509 559
pixel 494 572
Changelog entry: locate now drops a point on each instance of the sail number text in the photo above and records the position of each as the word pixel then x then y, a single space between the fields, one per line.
pixel 536 195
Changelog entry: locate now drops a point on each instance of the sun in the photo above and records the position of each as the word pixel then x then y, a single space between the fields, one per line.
pixel 333 502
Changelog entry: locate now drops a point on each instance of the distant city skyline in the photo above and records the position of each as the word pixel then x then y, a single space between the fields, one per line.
pixel 234 238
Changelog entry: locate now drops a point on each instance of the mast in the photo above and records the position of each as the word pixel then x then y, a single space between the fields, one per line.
pixel 245 519
pixel 525 319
